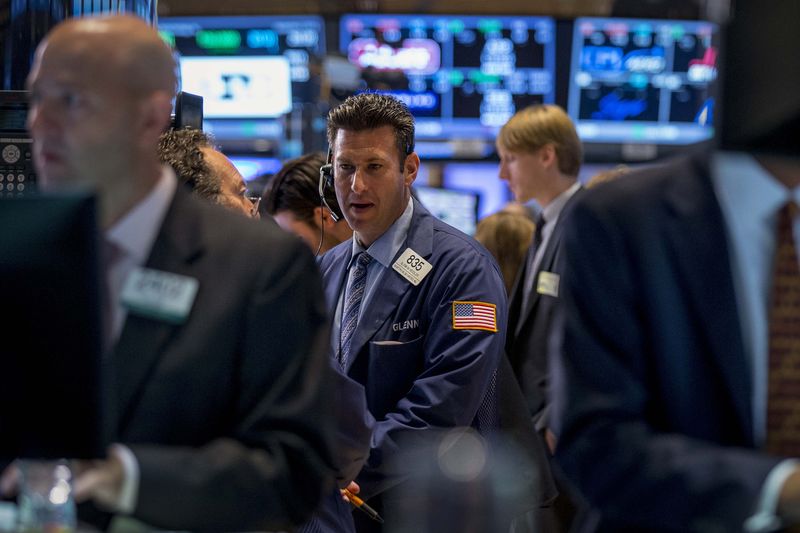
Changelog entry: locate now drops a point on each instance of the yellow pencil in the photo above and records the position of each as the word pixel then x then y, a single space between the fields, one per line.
pixel 359 504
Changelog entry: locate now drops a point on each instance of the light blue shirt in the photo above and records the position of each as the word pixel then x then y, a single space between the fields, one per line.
pixel 383 250
pixel 750 199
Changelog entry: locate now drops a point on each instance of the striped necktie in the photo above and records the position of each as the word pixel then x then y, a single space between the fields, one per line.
pixel 783 397
pixel 354 295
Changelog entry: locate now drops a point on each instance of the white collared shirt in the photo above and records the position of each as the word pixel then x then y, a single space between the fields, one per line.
pixel 134 234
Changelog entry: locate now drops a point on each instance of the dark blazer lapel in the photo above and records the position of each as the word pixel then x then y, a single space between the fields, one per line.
pixel 335 277
pixel 544 265
pixel 388 295
pixel 141 343
pixel 547 263
pixel 699 237
pixel 515 301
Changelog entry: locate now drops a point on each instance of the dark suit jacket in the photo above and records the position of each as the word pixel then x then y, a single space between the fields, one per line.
pixel 656 394
pixel 228 414
pixel 353 438
pixel 530 328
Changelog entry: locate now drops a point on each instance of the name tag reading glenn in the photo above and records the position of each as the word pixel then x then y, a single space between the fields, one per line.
pixel 160 295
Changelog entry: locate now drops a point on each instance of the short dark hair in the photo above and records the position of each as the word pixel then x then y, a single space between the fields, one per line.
pixel 368 111
pixel 181 149
pixel 295 188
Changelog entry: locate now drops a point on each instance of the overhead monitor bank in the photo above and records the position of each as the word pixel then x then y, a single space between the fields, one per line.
pixel 636 89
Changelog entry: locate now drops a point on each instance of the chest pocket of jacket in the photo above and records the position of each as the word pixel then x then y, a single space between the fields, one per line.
pixel 391 371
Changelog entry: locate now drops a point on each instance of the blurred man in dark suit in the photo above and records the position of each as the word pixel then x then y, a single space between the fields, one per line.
pixel 677 394
pixel 221 381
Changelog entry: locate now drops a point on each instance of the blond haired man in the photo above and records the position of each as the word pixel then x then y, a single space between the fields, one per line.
pixel 540 157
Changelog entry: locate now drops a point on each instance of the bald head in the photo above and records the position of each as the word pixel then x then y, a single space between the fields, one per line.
pixel 101 95
pixel 123 47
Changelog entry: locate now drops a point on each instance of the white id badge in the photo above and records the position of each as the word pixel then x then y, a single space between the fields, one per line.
pixel 412 266
pixel 160 295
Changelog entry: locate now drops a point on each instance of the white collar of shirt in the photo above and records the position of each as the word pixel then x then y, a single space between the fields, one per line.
pixel 745 187
pixel 136 232
pixel 550 214
pixel 387 245
pixel 554 208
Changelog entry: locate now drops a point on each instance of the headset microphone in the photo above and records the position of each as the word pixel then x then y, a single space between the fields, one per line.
pixel 326 178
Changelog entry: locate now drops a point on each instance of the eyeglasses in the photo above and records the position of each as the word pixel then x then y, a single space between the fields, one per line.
pixel 256 201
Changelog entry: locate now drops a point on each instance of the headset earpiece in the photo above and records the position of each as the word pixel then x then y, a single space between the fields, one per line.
pixel 326 180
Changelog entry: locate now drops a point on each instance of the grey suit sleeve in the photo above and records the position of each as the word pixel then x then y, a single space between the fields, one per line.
pixel 271 466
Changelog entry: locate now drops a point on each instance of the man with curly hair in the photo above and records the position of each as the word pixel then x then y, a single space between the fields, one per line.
pixel 205 169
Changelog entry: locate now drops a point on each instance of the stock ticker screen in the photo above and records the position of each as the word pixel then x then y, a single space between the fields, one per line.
pixel 249 70
pixel 462 77
pixel 643 81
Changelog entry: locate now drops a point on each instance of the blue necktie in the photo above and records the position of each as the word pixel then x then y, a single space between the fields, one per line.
pixel 352 304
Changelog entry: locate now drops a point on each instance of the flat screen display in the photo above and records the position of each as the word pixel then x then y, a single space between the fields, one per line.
pixel 250 71
pixel 643 81
pixel 239 87
pixel 53 396
pixel 462 77
pixel 251 167
pixel 481 177
pixel 459 208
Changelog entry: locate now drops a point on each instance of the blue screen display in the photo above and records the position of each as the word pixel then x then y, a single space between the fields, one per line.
pixel 643 81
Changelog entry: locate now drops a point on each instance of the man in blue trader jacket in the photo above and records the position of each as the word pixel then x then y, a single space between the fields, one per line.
pixel 419 308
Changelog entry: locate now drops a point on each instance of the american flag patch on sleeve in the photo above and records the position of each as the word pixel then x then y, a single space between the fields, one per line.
pixel 475 315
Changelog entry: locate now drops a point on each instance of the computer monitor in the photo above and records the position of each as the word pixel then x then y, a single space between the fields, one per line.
pixel 459 208
pixel 480 177
pixel 253 166
pixel 239 86
pixel 251 72
pixel 462 76
pixel 642 87
pixel 52 401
